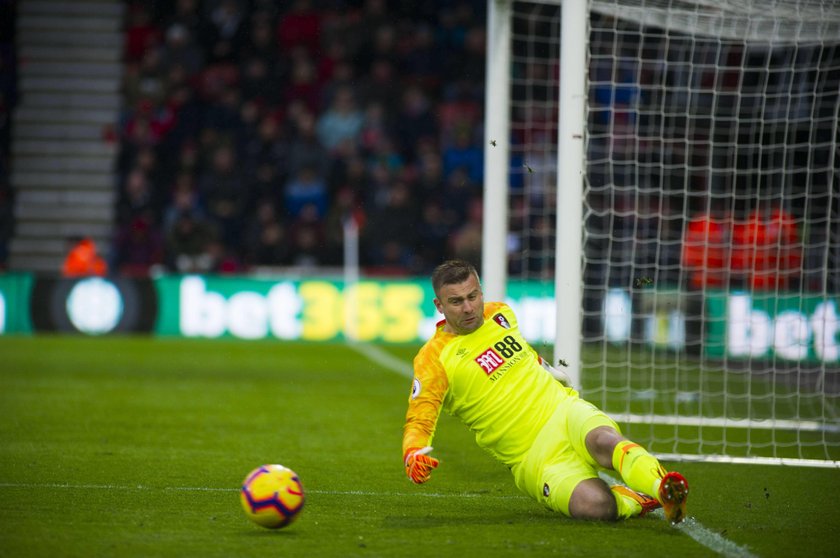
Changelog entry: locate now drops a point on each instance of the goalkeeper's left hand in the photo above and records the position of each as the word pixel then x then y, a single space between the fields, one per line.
pixel 419 464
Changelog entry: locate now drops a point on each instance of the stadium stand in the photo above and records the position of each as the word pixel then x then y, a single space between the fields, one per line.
pixel 251 130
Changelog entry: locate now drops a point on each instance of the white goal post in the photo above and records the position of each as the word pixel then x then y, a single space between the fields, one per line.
pixel 570 166
pixel 672 168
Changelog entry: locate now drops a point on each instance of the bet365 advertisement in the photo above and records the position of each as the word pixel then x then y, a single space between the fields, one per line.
pixel 392 311
pixel 744 326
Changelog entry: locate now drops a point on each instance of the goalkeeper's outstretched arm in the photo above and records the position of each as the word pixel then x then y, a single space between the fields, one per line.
pixel 429 388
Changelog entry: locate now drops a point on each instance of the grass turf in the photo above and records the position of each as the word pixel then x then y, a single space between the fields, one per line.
pixel 136 447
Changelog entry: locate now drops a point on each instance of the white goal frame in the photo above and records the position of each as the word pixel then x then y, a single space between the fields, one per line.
pixel 570 170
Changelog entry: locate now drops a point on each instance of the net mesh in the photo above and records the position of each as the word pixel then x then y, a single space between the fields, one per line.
pixel 711 267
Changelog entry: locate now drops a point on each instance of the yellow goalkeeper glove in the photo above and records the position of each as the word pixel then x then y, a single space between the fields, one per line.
pixel 419 465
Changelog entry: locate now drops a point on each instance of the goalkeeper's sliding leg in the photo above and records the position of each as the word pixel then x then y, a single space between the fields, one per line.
pixel 561 469
pixel 641 472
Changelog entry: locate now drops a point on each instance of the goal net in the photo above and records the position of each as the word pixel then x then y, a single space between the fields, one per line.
pixel 709 244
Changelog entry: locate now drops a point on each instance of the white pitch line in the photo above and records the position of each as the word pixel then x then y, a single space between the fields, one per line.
pixel 383 358
pixel 691 527
pixel 141 487
pixel 694 529
pixel 713 541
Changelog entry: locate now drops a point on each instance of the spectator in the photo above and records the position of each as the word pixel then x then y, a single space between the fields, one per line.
pixel 300 27
pixel 138 247
pixel 223 115
pixel 415 121
pixel 308 238
pixel 345 206
pixel 342 122
pixel 464 155
pixel 303 85
pixel 8 98
pixel 430 182
pixel 306 189
pixel 187 15
pixel 258 83
pixel 136 198
pixel 334 70
pixel 188 244
pixel 767 249
pixel 180 49
pixel 433 234
pixel 390 234
pixel 375 134
pixel 423 59
pixel 466 241
pixel 458 192
pixel 267 242
pixel 226 31
pixel 141 34
pixel 266 145
pixel 184 198
pixel 222 259
pixel 305 149
pixel 706 250
pixel 458 113
pixel 6 221
pixel 224 194
pixel 381 86
pixel 260 43
pixel 187 116
pixel 83 259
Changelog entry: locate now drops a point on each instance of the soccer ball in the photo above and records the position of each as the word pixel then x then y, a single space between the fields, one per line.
pixel 272 496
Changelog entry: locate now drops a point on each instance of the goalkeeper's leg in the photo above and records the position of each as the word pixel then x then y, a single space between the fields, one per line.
pixel 640 470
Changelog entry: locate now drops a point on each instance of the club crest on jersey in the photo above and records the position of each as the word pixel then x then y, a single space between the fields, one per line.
pixel 502 321
pixel 489 361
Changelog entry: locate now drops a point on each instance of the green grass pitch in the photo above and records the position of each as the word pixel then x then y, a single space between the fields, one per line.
pixel 136 447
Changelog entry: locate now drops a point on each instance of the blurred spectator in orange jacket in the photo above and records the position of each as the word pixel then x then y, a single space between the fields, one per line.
pixel 767 249
pixel 706 250
pixel 83 259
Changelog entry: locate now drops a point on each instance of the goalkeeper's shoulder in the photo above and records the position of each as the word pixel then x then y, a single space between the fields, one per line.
pixel 430 351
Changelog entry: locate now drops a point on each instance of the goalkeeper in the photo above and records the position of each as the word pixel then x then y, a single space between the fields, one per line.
pixel 479 368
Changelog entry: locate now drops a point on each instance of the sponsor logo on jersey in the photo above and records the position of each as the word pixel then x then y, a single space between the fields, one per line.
pixel 502 321
pixel 489 361
pixel 461 352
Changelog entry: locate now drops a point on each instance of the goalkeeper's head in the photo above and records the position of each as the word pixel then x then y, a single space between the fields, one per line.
pixel 458 296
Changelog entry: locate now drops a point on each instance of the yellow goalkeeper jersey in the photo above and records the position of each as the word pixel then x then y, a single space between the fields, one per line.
pixel 492 379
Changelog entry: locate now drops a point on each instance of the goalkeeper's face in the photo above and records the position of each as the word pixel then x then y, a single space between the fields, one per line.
pixel 462 304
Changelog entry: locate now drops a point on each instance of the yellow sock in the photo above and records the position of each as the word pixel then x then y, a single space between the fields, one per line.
pixel 627 506
pixel 638 469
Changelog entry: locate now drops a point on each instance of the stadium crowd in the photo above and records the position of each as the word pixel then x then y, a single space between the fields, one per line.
pixel 8 96
pixel 253 130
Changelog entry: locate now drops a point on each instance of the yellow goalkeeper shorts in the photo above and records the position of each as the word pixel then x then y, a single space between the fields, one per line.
pixel 558 459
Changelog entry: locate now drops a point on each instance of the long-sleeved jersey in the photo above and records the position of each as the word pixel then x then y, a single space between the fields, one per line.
pixel 492 379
